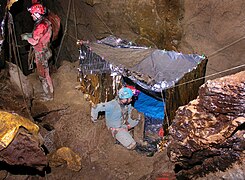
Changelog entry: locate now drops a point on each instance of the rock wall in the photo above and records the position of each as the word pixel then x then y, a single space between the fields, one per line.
pixel 25 153
pixel 208 134
pixel 215 28
pixel 154 23
pixel 187 26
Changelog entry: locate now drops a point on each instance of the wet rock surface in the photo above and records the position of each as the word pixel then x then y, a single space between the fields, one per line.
pixel 207 135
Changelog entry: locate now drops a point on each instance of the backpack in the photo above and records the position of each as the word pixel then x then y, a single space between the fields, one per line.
pixel 55 23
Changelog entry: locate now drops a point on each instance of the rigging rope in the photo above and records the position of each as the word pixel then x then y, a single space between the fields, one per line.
pixel 229 45
pixel 103 22
pixel 63 37
pixel 13 40
pixel 218 72
pixel 75 19
pixel 214 74
pixel 211 75
pixel 165 109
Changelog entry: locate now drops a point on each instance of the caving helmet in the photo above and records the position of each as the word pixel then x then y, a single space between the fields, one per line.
pixel 125 93
pixel 37 8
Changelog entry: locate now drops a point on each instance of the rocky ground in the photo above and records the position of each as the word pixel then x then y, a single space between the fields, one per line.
pixel 206 27
pixel 65 122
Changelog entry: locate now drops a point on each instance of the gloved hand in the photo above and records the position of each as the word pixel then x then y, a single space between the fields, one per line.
pixel 25 36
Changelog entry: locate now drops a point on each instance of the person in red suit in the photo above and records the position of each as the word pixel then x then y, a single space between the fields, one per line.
pixel 40 40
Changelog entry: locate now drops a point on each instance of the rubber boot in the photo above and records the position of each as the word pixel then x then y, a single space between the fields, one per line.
pixel 47 96
pixel 145 150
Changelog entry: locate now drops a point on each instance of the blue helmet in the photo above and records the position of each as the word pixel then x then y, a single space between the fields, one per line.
pixel 125 93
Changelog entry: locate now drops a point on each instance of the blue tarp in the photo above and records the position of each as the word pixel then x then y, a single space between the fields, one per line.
pixel 150 106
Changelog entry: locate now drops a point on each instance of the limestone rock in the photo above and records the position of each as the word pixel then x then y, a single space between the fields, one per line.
pixel 20 142
pixel 19 79
pixel 208 134
pixel 24 151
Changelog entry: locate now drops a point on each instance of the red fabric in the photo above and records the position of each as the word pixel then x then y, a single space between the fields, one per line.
pixel 55 21
pixel 166 176
pixel 161 132
pixel 41 35
pixel 40 68
pixel 37 8
pixel 134 90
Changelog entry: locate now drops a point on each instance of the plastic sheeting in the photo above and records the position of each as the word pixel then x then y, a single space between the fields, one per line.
pixel 150 106
pixel 153 110
pixel 10 3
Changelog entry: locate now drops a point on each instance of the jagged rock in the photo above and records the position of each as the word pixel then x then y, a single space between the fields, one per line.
pixel 20 80
pixel 20 142
pixel 24 150
pixel 225 95
pixel 208 134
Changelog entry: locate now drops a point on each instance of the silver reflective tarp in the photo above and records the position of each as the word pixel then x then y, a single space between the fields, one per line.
pixel 150 68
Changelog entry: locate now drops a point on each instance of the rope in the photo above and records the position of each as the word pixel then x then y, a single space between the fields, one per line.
pixel 229 45
pixel 218 72
pixel 214 74
pixel 211 75
pixel 17 49
pixel 223 48
pixel 17 58
pixel 75 19
pixel 103 22
pixel 9 38
pixel 164 109
pixel 63 37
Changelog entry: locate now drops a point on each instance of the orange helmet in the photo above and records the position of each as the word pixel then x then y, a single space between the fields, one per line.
pixel 37 8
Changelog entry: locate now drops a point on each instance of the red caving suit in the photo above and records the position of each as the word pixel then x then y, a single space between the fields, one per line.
pixel 40 41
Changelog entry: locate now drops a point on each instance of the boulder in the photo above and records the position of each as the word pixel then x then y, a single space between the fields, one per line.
pixel 208 134
pixel 20 80
pixel 20 143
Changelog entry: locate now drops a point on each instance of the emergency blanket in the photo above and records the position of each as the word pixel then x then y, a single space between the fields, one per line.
pixel 9 126
pixel 10 3
pixel 152 69
pixel 65 155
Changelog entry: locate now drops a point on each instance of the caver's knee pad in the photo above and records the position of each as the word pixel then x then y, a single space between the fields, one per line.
pixel 125 139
